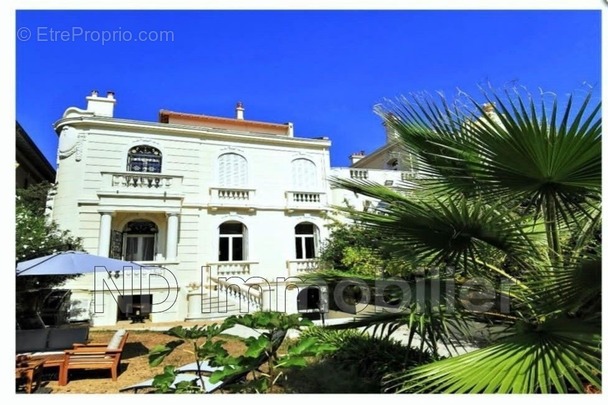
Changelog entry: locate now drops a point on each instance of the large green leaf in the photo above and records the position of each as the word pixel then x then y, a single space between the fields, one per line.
pixel 453 230
pixel 525 150
pixel 160 352
pixel 570 289
pixel 558 356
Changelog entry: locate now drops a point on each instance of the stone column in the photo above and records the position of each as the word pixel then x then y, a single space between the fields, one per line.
pixel 172 225
pixel 105 230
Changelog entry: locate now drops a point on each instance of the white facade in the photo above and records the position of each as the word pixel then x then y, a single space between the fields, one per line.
pixel 203 197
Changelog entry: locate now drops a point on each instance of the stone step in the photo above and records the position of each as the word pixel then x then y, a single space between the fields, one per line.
pixel 219 306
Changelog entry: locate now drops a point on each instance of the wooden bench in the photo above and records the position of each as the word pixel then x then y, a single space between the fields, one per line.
pixel 94 357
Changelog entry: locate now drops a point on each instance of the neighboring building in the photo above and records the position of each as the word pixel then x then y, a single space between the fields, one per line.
pixel 389 165
pixel 204 197
pixel 32 166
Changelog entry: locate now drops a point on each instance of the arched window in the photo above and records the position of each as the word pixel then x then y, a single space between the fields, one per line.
pixel 304 175
pixel 306 240
pixel 144 158
pixel 232 170
pixel 233 242
pixel 139 243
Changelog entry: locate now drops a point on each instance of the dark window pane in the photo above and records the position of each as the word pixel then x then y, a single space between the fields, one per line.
pixel 310 248
pixel 304 229
pixel 231 228
pixel 144 158
pixel 141 227
pixel 136 165
pixel 299 254
pixel 131 250
pixel 148 249
pixel 237 248
pixel 224 250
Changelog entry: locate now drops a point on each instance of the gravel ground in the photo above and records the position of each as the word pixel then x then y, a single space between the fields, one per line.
pixel 134 364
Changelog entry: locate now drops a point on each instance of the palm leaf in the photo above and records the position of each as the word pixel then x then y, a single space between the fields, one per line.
pixel 527 157
pixel 454 230
pixel 522 152
pixel 559 356
pixel 568 289
pixel 433 135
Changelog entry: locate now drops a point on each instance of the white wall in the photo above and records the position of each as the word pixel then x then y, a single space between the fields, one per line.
pixel 83 190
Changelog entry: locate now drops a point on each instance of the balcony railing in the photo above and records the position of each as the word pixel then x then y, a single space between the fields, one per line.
pixel 248 299
pixel 142 182
pixel 301 266
pixel 307 200
pixel 405 176
pixel 227 269
pixel 231 197
pixel 359 174
pixel 385 177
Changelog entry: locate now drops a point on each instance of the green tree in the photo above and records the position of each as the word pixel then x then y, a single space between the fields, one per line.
pixel 358 250
pixel 511 194
pixel 36 236
pixel 261 363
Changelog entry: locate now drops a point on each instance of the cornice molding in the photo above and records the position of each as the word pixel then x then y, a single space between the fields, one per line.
pixel 184 130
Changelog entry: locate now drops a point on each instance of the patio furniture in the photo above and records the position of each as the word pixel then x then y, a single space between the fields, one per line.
pixel 28 371
pixel 39 342
pixel 209 388
pixel 138 312
pixel 94 357
pixel 193 368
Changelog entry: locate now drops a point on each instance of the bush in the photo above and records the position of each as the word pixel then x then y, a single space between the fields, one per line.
pixel 368 357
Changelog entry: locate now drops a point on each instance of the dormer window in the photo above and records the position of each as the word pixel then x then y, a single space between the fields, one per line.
pixel 393 164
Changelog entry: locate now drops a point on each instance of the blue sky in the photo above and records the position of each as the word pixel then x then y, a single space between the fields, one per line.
pixel 322 70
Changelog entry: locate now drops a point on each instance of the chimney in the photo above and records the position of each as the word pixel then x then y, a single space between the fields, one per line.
pixel 355 157
pixel 391 134
pixel 290 129
pixel 488 108
pixel 240 111
pixel 101 106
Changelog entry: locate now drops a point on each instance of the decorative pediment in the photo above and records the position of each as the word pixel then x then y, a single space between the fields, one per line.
pixel 231 149
pixel 145 141
pixel 302 155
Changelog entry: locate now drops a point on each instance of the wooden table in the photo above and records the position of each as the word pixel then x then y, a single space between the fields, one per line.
pixel 29 370
pixel 137 315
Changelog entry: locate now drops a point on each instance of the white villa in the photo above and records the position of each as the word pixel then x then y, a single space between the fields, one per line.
pixel 206 198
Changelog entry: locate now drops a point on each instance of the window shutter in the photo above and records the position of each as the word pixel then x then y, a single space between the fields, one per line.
pixel 232 170
pixel 304 175
pixel 116 245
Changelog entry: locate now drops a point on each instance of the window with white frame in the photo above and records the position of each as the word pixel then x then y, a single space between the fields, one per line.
pixel 303 174
pixel 306 241
pixel 144 158
pixel 233 242
pixel 232 170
